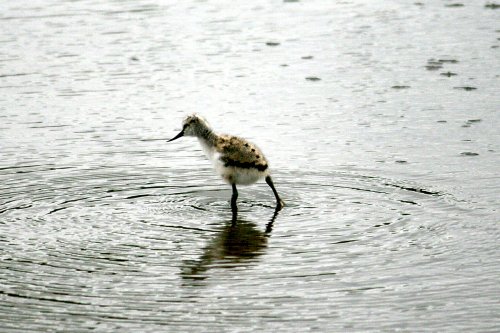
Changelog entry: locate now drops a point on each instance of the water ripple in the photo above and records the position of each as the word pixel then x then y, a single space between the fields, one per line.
pixel 390 221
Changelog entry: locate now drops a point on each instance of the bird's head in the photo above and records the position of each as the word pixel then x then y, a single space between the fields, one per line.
pixel 192 125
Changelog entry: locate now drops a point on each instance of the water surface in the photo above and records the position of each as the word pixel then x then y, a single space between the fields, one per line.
pixel 380 122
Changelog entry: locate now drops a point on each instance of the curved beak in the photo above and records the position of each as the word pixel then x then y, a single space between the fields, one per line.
pixel 177 136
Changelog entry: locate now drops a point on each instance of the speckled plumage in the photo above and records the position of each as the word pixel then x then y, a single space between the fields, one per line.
pixel 239 153
pixel 235 159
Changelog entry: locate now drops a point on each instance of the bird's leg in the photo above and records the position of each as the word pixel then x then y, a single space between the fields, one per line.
pixel 233 199
pixel 279 202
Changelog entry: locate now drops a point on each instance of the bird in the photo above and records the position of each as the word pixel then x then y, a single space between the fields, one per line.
pixel 236 160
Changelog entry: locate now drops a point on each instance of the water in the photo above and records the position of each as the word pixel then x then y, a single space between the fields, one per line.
pixel 380 122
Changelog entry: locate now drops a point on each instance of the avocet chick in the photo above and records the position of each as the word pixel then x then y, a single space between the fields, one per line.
pixel 238 161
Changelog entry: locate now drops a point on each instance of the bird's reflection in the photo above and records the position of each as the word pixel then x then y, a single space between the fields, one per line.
pixel 236 244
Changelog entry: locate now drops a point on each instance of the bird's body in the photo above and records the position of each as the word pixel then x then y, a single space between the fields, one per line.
pixel 237 161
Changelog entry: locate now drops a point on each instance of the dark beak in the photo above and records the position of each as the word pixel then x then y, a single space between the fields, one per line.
pixel 177 136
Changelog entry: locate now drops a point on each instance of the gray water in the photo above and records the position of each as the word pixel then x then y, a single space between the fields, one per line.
pixel 380 121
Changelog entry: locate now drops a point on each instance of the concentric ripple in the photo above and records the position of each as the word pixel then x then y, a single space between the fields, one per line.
pixel 108 246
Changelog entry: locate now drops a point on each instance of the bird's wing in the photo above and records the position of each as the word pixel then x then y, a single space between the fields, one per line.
pixel 238 152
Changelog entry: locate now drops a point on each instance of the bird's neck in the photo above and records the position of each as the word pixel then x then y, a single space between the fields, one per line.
pixel 207 136
pixel 207 139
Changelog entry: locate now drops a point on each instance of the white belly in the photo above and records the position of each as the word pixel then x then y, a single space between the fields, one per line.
pixel 240 176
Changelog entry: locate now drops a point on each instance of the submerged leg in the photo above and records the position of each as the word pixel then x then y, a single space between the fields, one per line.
pixel 279 202
pixel 233 198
